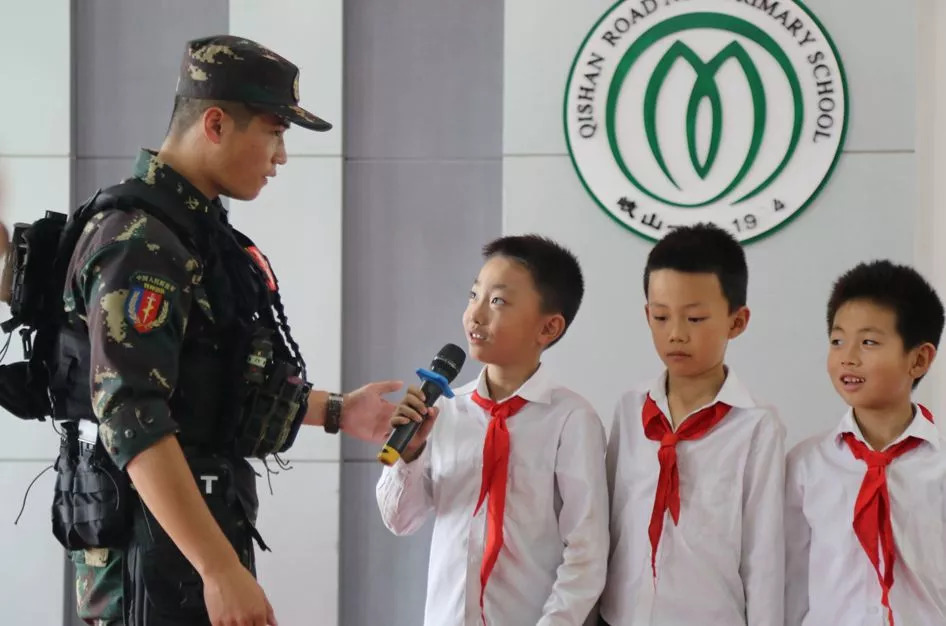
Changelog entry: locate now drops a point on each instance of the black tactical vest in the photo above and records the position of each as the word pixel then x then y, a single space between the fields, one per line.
pixel 217 386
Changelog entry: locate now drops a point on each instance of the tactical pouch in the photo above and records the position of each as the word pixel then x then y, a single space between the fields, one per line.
pixel 34 255
pixel 32 288
pixel 23 391
pixel 273 401
pixel 166 587
pixel 92 496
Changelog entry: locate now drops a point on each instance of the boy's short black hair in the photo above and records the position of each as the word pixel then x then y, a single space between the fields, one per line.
pixel 699 249
pixel 555 271
pixel 900 288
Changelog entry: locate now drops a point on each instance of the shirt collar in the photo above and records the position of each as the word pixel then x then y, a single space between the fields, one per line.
pixel 192 205
pixel 919 427
pixel 538 387
pixel 732 393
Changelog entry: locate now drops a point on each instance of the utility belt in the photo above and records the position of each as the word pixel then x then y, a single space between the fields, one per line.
pixel 98 512
pixel 94 501
pixel 95 504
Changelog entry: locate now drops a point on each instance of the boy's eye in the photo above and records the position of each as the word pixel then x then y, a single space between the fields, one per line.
pixel 472 295
pixel 834 342
pixel 660 318
pixel 497 300
pixel 870 342
pixel 695 320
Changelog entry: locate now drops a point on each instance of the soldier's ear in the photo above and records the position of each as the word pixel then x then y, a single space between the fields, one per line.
pixel 213 123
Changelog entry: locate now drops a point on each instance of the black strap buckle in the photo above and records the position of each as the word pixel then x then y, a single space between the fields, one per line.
pixel 26 334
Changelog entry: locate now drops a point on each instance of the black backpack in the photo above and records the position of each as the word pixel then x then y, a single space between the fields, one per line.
pixel 38 260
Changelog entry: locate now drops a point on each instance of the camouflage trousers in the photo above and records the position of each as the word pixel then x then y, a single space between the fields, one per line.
pixel 99 575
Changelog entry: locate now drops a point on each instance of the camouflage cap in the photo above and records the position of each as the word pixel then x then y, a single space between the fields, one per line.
pixel 225 67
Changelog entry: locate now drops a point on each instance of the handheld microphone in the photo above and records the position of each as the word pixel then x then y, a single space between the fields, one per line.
pixel 443 369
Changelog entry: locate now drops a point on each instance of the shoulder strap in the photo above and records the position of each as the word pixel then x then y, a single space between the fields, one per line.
pixel 73 230
pixel 127 195
pixel 133 193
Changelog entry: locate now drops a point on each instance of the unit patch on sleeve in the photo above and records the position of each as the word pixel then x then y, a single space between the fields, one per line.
pixel 148 304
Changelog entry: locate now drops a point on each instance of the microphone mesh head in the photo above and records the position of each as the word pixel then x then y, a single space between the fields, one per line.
pixel 449 361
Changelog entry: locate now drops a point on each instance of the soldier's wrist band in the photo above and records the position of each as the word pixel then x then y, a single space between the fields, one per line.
pixel 333 412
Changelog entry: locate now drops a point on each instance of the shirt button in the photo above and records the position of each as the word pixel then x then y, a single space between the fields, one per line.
pixel 129 433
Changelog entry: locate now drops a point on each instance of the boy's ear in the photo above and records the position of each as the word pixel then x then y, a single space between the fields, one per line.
pixel 738 322
pixel 552 329
pixel 921 359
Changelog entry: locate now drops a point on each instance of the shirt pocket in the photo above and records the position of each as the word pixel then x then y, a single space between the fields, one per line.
pixel 531 491
pixel 456 472
pixel 458 461
pixel 711 518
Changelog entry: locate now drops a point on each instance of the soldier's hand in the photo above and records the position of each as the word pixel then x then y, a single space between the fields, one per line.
pixel 366 413
pixel 234 598
pixel 413 409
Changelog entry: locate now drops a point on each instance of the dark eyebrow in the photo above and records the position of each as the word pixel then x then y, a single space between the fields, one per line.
pixel 866 329
pixel 686 306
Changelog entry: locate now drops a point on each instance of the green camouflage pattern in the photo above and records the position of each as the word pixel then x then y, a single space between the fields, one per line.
pixel 131 281
pixel 98 586
pixel 225 67
pixel 121 259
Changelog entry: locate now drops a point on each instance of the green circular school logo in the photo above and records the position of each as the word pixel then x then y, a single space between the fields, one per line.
pixel 725 111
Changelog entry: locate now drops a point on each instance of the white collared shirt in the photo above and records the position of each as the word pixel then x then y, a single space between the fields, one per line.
pixel 553 562
pixel 723 564
pixel 829 578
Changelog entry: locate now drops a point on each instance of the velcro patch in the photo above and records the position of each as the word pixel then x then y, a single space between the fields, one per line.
pixel 96 557
pixel 148 306
pixel 262 262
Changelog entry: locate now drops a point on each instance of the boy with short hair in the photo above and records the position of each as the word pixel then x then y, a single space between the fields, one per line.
pixel 513 473
pixel 865 508
pixel 695 464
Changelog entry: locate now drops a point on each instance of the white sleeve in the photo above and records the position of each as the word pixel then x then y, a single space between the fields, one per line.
pixel 762 567
pixel 583 520
pixel 405 494
pixel 797 545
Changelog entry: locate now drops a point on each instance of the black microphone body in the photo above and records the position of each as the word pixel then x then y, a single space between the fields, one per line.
pixel 444 368
pixel 403 434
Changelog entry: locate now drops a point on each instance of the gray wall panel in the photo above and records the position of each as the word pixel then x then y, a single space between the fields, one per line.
pixel 423 139
pixel 94 173
pixel 127 56
pixel 423 78
pixel 413 233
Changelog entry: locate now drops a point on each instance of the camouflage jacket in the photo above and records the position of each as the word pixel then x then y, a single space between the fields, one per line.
pixel 132 282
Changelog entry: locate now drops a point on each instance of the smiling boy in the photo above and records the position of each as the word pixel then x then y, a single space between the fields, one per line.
pixel 513 472
pixel 865 510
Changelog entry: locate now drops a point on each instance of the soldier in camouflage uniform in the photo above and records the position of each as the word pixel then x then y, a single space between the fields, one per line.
pixel 147 295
